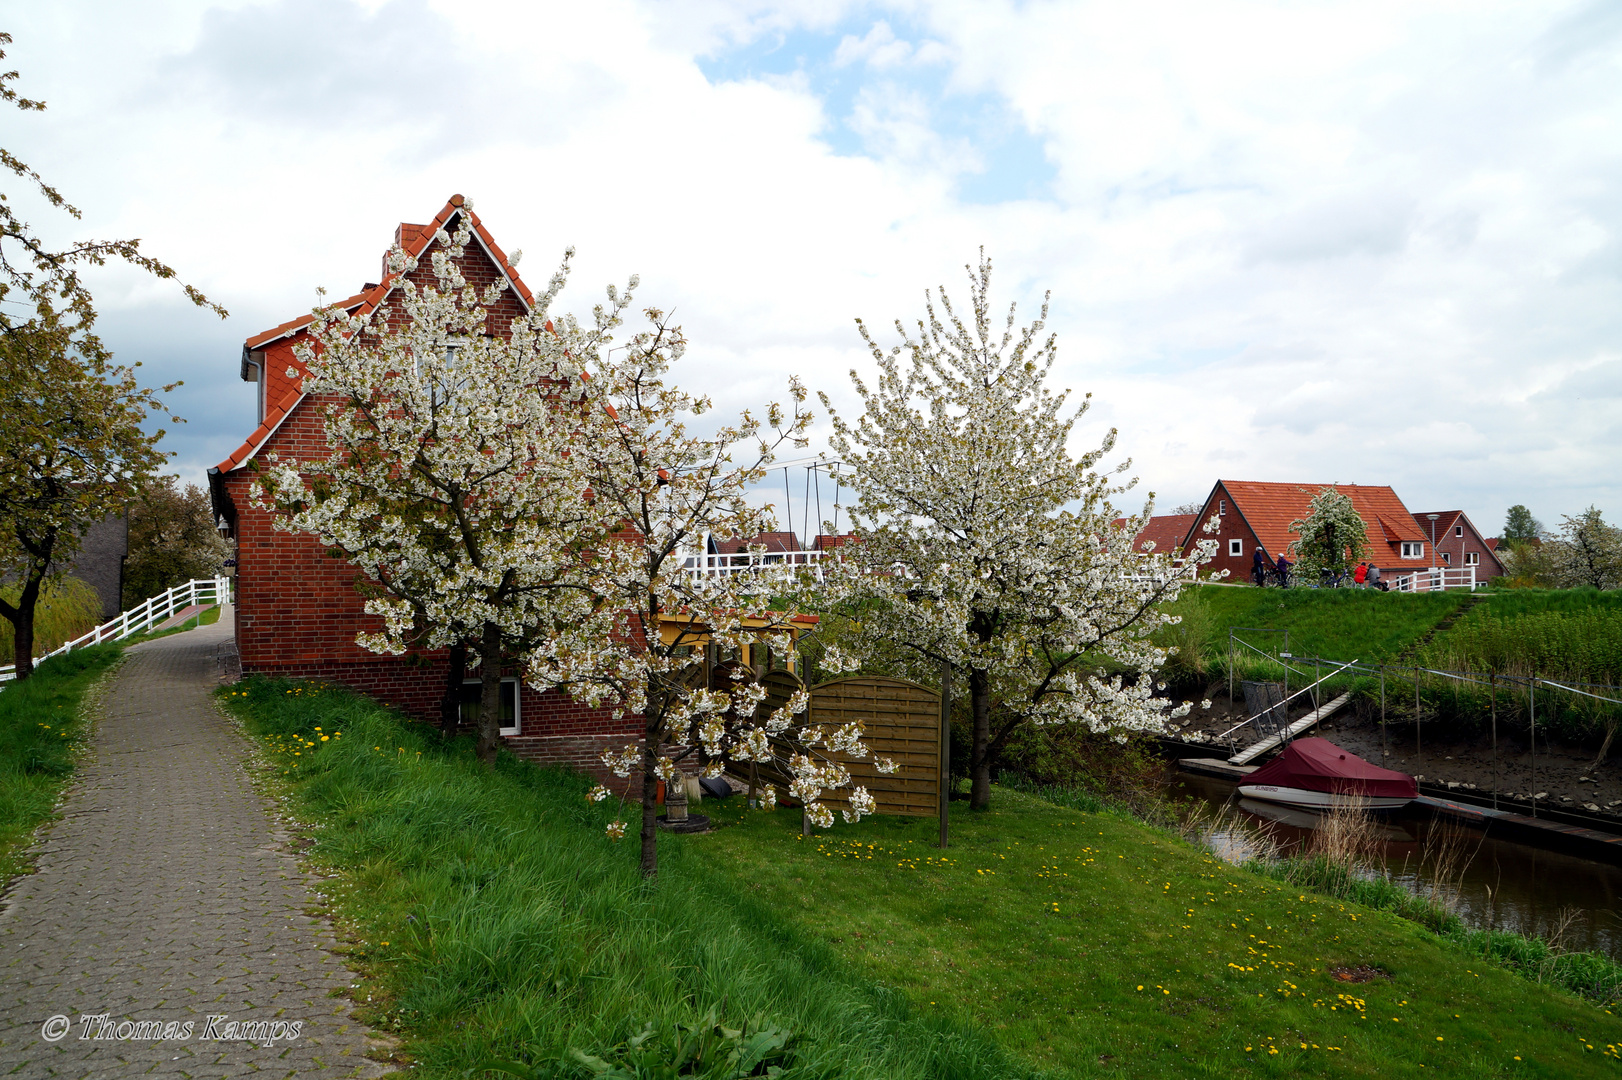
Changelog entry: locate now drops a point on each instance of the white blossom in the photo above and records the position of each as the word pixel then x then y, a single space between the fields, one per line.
pixel 984 544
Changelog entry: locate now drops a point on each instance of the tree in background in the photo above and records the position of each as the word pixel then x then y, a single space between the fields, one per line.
pixel 71 448
pixel 1520 526
pixel 72 451
pixel 1586 552
pixel 171 540
pixel 46 277
pixel 986 547
pixel 1331 538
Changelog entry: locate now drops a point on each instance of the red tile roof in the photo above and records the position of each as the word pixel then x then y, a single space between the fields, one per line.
pixel 772 541
pixel 1168 531
pixel 1268 508
pixel 414 240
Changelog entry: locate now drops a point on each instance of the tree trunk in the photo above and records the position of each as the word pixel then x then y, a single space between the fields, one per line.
pixel 21 618
pixel 490 693
pixel 450 709
pixel 651 736
pixel 980 757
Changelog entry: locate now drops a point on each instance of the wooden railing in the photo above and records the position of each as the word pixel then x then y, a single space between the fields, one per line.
pixel 143 616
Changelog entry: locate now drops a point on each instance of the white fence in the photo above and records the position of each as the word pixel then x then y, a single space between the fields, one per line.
pixel 144 616
pixel 1436 579
pixel 746 562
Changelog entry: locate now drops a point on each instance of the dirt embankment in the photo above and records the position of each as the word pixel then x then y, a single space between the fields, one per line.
pixel 1566 776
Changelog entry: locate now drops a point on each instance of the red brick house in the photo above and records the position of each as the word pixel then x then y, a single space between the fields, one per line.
pixel 1459 543
pixel 1258 514
pixel 297 611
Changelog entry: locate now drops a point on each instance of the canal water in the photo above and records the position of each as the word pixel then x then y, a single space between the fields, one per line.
pixel 1515 886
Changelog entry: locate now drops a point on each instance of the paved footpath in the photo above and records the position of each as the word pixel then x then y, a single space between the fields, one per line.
pixel 164 897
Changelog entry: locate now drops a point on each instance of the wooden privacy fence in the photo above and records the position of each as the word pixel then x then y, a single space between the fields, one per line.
pixel 900 720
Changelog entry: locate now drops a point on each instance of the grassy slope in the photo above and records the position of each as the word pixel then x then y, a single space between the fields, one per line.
pixel 41 732
pixel 1335 623
pixel 1090 944
pixel 492 915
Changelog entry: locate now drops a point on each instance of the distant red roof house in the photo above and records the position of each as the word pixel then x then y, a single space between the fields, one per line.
pixel 1168 532
pixel 297 611
pixel 771 541
pixel 1459 543
pixel 1258 514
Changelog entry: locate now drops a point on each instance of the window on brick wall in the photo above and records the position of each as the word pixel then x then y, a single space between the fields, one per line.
pixel 511 722
pixel 1447 557
pixel 1458 530
pixel 1236 548
pixel 1472 558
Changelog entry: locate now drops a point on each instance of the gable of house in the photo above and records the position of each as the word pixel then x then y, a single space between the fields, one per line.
pixel 298 611
pixel 1459 544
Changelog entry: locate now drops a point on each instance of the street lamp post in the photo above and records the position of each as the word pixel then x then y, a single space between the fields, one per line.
pixel 1433 518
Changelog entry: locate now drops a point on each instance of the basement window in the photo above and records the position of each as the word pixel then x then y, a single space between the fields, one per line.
pixel 471 691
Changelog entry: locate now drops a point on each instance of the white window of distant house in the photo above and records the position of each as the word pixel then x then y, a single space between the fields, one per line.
pixel 1236 548
pixel 1472 558
pixel 1447 557
pixel 1222 507
pixel 1411 550
pixel 511 721
pixel 1458 530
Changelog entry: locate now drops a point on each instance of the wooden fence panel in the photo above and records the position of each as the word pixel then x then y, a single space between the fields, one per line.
pixel 902 720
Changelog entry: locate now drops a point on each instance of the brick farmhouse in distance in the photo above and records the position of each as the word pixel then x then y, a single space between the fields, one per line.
pixel 297 610
pixel 1258 514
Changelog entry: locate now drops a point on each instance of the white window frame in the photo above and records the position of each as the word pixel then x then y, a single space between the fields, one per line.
pixel 1413 549
pixel 1458 530
pixel 1472 558
pixel 1222 508
pixel 518 702
pixel 1236 549
pixel 1447 557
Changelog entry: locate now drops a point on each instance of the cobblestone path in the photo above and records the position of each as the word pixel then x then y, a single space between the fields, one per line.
pixel 164 897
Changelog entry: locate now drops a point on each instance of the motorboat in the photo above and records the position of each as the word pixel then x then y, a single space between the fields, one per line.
pixel 1315 774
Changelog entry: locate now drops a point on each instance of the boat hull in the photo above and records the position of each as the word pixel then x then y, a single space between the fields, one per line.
pixel 1321 800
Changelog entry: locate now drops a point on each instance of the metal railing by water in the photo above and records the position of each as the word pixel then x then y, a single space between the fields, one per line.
pixel 142 617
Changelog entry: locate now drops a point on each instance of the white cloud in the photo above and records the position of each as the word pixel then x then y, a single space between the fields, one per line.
pixel 1356 241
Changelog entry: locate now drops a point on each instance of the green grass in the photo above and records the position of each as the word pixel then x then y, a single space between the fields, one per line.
pixel 492 917
pixel 1570 633
pixel 1043 923
pixel 1336 623
pixel 42 730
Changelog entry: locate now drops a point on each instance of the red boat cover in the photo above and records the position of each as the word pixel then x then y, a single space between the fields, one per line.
pixel 1320 765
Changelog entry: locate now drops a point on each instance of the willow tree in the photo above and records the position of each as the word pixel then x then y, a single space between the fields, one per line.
pixel 986 546
pixel 1331 538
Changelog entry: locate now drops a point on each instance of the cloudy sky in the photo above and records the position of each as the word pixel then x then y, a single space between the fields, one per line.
pixel 1361 242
